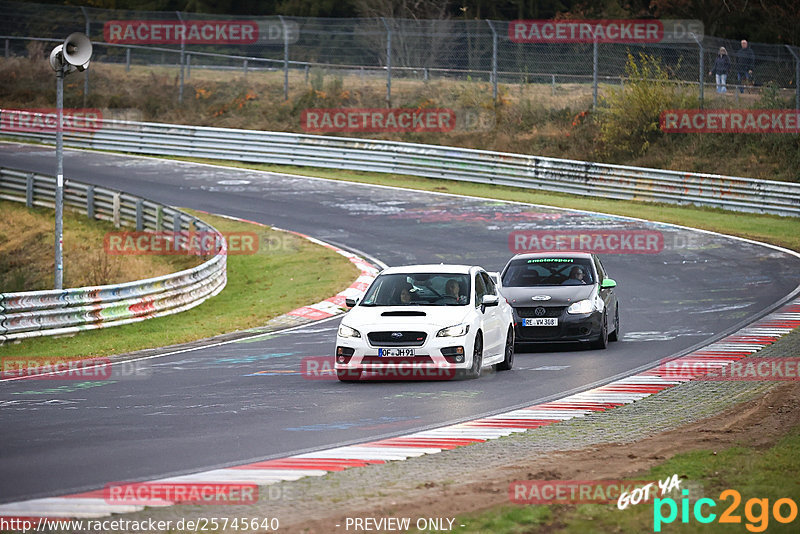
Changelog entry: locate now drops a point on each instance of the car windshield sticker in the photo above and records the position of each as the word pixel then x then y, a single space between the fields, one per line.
pixel 560 260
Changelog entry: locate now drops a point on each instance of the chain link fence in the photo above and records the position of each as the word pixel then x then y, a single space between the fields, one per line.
pixel 389 50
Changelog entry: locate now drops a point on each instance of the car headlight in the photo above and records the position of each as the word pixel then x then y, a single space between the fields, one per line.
pixel 453 331
pixel 346 331
pixel 582 306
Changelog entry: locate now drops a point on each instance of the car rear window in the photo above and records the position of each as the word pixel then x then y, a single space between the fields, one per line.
pixel 553 271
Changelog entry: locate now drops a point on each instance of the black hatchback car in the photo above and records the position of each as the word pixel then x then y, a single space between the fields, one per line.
pixel 561 297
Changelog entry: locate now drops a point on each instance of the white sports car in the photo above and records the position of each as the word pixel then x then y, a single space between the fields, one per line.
pixel 426 321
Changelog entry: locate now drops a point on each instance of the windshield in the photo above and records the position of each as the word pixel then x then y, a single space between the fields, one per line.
pixel 418 289
pixel 548 272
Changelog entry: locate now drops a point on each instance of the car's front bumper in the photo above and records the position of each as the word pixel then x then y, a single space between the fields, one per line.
pixel 437 358
pixel 570 329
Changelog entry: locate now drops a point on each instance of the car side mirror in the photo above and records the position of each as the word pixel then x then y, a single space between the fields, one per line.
pixel 351 303
pixel 489 300
pixel 608 283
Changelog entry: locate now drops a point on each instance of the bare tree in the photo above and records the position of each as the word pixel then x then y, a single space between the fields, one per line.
pixel 422 32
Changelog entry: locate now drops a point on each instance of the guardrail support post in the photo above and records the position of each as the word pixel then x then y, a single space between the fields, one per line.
pixel 388 63
pixel 159 218
pixel 115 208
pixel 128 59
pixel 90 202
pixel 176 222
pixel 8 47
pixel 285 58
pixel 139 215
pixel 552 85
pixel 306 69
pixel 29 190
pixel 244 68
pixel 188 65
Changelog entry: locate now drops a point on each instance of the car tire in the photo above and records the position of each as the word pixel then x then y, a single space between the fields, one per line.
pixel 602 342
pixel 348 375
pixel 477 359
pixel 614 336
pixel 508 361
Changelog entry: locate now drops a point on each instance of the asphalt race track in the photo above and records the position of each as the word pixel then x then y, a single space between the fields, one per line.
pixel 247 401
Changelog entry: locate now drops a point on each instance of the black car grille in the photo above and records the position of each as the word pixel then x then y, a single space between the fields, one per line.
pixel 540 311
pixel 397 338
pixel 539 332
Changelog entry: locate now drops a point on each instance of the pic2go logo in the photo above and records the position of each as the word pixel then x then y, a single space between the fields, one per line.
pixel 756 511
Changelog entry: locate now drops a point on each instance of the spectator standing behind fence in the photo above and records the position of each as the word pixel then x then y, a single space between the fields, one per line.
pixel 745 62
pixel 722 65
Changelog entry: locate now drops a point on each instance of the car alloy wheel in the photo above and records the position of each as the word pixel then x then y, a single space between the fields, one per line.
pixel 614 336
pixel 508 361
pixel 602 343
pixel 477 358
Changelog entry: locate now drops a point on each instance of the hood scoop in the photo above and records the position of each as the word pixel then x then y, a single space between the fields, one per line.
pixel 403 313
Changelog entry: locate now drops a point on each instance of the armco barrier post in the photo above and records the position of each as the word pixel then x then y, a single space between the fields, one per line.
pixel 29 190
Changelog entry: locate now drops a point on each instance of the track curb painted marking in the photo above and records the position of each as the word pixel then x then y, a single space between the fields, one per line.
pixel 732 348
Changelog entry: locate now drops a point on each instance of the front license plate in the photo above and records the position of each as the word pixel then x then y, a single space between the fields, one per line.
pixel 395 353
pixel 541 321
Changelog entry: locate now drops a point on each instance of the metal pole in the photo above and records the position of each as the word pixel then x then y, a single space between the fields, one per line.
pixel 494 60
pixel 188 65
pixel 702 68
pixel 594 73
pixel 8 44
pixel 285 58
pixel 59 238
pixel 796 77
pixel 388 63
pixel 86 72
pixel 183 51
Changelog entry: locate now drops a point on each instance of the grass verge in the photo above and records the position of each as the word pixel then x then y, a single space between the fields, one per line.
pixel 289 273
pixel 752 472
pixel 26 252
pixel 781 231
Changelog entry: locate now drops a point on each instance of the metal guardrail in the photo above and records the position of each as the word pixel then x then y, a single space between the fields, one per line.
pixel 450 163
pixel 64 311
